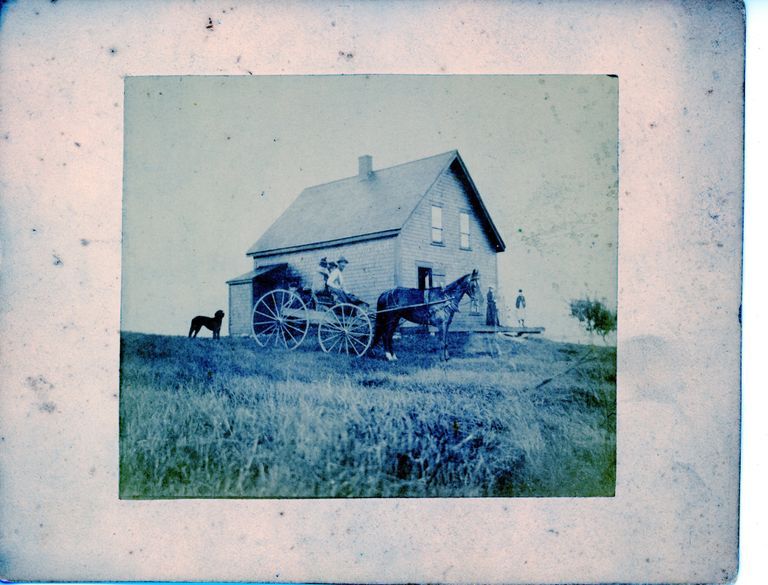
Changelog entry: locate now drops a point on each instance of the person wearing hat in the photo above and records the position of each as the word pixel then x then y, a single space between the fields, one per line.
pixel 336 281
pixel 324 271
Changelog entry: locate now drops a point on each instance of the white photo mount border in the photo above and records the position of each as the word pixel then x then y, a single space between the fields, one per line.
pixel 675 514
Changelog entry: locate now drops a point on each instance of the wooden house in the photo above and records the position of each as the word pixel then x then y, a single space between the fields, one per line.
pixel 417 224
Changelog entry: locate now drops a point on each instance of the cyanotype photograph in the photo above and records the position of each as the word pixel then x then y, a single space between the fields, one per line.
pixel 371 292
pixel 369 286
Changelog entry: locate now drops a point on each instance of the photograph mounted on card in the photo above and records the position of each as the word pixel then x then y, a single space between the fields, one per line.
pixel 371 292
pixel 382 288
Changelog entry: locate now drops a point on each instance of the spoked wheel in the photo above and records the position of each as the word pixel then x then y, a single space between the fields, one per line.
pixel 279 319
pixel 345 329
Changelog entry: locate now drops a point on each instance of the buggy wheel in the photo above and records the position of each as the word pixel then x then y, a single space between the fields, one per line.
pixel 279 319
pixel 346 329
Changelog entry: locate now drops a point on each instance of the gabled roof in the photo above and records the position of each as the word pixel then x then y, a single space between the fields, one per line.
pixel 361 208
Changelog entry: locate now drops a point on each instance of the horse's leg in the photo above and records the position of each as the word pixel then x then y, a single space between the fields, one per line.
pixel 391 327
pixel 374 341
pixel 383 320
pixel 388 348
pixel 391 334
pixel 440 324
pixel 444 326
pixel 386 338
pixel 378 328
pixel 444 331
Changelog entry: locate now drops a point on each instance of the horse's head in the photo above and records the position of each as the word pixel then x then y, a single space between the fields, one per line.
pixel 473 281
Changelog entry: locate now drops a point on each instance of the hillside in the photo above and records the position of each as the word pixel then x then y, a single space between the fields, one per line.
pixel 200 418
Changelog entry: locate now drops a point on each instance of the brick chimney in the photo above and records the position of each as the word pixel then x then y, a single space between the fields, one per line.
pixel 365 166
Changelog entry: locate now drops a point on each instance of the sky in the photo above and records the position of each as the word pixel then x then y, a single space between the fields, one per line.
pixel 211 161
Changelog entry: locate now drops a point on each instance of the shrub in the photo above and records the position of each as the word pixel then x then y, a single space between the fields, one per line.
pixel 596 317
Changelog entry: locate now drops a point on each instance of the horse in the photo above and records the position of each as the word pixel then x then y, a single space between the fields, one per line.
pixel 432 306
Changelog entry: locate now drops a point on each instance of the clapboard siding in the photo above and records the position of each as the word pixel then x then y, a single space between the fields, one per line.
pixel 416 237
pixel 448 261
pixel 240 307
pixel 370 270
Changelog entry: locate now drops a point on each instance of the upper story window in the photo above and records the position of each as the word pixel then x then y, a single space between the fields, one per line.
pixel 464 231
pixel 437 224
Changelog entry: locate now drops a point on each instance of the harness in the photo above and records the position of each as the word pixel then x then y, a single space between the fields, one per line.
pixel 417 305
pixel 427 302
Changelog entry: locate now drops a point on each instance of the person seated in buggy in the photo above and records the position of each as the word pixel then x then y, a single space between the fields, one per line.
pixel 324 270
pixel 335 283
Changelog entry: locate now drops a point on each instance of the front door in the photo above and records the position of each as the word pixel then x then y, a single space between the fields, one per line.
pixel 425 278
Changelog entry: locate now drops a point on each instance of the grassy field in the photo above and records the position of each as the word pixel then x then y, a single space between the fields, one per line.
pixel 200 418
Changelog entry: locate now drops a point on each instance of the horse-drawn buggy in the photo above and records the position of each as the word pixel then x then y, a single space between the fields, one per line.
pixel 282 317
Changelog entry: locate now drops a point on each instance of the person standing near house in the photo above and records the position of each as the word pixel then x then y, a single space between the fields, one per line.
pixel 492 311
pixel 520 308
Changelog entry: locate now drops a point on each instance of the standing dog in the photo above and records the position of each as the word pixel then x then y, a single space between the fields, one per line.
pixel 212 323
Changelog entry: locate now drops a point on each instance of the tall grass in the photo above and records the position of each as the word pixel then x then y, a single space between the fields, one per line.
pixel 200 418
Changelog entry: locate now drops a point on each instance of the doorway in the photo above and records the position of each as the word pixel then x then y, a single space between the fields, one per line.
pixel 425 277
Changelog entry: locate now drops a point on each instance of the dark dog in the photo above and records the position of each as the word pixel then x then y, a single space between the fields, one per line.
pixel 212 323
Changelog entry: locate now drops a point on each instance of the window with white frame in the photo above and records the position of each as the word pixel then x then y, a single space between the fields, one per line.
pixel 437 224
pixel 464 231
